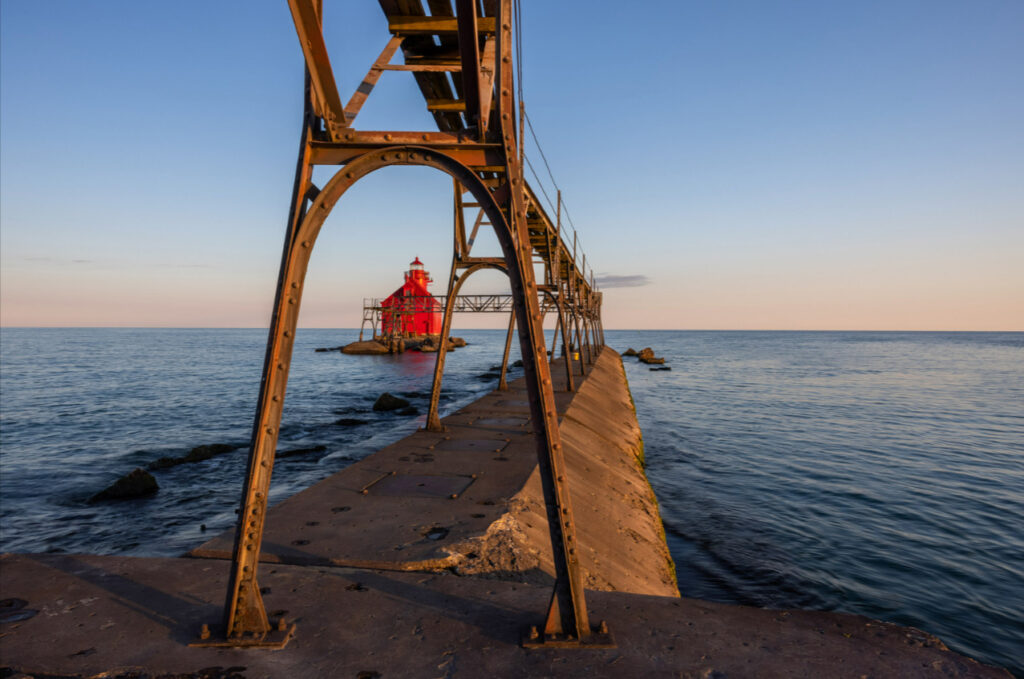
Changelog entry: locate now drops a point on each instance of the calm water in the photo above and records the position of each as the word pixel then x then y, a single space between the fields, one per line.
pixel 873 473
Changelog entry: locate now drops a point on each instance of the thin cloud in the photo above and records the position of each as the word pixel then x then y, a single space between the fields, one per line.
pixel 628 281
pixel 173 265
pixel 56 260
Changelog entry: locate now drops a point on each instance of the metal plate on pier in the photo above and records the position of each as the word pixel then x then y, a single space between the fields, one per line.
pixel 420 485
pixel 484 445
pixel 513 404
pixel 501 421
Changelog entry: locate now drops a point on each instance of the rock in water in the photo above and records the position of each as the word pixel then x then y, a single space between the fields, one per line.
pixel 646 355
pixel 351 422
pixel 628 352
pixel 364 348
pixel 294 452
pixel 388 402
pixel 197 454
pixel 138 483
pixel 200 453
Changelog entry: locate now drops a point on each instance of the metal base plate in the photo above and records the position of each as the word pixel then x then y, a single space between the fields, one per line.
pixel 596 639
pixel 274 640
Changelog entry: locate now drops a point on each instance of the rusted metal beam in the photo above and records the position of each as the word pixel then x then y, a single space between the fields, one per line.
pixel 469 51
pixel 446 105
pixel 461 246
pixel 365 87
pixel 502 384
pixel 424 68
pixel 326 101
pixel 567 621
pixel 403 138
pixel 353 143
pixel 421 25
pixel 487 160
pixel 486 86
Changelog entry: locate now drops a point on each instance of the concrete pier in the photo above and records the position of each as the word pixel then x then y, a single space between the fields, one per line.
pixel 429 559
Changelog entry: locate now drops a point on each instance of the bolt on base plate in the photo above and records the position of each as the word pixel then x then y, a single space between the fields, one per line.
pixel 275 639
pixel 599 637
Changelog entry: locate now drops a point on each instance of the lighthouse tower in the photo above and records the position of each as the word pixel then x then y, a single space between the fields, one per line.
pixel 411 311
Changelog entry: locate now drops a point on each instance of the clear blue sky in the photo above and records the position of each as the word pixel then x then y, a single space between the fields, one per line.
pixel 756 164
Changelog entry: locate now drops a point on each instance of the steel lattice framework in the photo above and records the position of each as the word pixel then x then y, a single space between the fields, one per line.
pixel 462 58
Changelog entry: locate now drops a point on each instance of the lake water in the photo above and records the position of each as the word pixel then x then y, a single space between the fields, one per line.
pixel 872 473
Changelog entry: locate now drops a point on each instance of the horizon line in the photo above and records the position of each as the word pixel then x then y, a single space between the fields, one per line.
pixel 257 327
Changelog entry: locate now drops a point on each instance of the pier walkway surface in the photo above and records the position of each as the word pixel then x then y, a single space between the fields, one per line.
pixel 430 558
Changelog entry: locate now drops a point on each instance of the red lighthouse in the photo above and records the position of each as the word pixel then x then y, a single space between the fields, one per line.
pixel 411 310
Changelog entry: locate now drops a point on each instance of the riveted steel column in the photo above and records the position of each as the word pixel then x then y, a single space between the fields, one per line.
pixel 567 613
pixel 433 421
pixel 579 339
pixel 502 384
pixel 245 618
pixel 567 354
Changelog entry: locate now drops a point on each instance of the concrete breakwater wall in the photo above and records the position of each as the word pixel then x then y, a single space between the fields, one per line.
pixel 470 499
pixel 429 559
pixel 618 526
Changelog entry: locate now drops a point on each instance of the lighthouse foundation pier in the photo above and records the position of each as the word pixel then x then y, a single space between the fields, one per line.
pixel 431 558
pixel 397 345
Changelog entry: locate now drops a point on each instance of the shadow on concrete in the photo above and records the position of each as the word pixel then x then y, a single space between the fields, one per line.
pixel 181 616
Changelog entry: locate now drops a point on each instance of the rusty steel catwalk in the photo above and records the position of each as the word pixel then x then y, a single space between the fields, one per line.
pixel 463 58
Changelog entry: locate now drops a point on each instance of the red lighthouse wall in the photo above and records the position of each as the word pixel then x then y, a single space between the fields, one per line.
pixel 420 315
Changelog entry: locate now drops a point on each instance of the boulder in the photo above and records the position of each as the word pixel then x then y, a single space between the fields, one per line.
pixel 388 402
pixel 137 483
pixel 351 422
pixel 646 355
pixel 197 454
pixel 367 348
pixel 628 352
pixel 328 349
pixel 661 368
pixel 433 342
pixel 200 453
pixel 294 452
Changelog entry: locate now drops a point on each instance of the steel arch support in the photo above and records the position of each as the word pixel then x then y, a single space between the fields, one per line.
pixel 454 285
pixel 245 616
pixel 570 384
